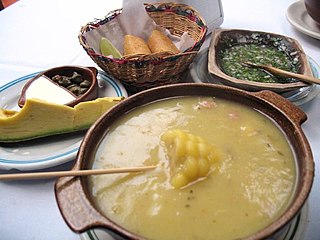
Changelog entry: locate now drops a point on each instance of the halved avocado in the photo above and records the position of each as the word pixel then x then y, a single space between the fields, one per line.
pixel 39 118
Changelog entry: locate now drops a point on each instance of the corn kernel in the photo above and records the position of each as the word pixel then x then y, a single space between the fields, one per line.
pixel 179 180
pixel 190 168
pixel 203 149
pixel 191 148
pixel 179 148
pixel 203 166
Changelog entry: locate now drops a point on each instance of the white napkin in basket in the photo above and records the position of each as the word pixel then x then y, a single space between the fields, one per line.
pixel 133 20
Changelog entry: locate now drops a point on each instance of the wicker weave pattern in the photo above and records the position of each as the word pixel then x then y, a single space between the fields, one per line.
pixel 141 72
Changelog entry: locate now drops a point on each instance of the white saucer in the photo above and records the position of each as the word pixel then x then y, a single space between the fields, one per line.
pixel 50 151
pixel 299 18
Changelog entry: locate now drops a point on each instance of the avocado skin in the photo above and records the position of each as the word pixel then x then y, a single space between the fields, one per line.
pixel 39 119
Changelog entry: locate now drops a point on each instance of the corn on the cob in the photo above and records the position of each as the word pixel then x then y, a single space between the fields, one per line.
pixel 189 155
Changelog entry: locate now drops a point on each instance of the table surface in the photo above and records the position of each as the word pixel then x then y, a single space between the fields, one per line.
pixel 39 34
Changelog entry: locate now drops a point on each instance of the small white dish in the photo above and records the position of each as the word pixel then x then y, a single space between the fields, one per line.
pixel 299 18
pixel 47 152
pixel 199 74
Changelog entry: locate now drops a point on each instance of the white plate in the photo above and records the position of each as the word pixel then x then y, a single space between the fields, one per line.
pixel 199 73
pixel 295 231
pixel 299 18
pixel 50 151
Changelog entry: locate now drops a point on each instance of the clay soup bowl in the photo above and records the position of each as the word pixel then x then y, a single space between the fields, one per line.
pixel 72 194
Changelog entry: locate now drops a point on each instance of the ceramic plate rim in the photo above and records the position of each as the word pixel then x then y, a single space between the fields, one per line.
pixel 298 9
pixel 51 160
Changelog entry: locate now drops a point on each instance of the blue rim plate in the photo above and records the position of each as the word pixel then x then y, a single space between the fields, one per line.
pixel 40 154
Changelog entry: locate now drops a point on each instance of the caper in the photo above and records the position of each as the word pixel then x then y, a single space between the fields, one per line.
pixel 75 90
pixel 65 82
pixel 83 90
pixel 56 78
pixel 75 84
pixel 61 80
pixel 71 86
pixel 76 78
pixel 85 84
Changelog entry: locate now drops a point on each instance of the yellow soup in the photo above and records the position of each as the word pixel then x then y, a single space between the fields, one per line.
pixel 251 179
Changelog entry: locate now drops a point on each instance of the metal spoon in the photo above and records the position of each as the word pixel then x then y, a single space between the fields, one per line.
pixel 284 73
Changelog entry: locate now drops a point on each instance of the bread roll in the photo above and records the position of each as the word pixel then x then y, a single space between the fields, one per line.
pixel 158 42
pixel 135 45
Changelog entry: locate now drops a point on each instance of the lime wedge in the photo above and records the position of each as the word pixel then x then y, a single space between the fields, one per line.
pixel 107 48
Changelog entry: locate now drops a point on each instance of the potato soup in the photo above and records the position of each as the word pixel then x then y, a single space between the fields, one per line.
pixel 240 178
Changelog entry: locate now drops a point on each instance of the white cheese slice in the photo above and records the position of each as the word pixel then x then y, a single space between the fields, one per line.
pixel 44 89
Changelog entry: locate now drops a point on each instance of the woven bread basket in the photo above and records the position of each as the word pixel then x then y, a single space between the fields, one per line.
pixel 140 72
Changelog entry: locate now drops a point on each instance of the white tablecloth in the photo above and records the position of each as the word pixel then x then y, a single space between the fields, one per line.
pixel 39 34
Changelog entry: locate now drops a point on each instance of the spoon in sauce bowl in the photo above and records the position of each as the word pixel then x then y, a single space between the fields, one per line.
pixel 280 72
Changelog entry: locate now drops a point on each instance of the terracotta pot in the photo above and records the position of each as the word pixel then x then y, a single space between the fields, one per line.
pixel 73 197
pixel 87 73
pixel 313 9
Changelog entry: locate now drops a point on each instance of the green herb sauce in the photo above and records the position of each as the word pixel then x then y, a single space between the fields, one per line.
pixel 232 60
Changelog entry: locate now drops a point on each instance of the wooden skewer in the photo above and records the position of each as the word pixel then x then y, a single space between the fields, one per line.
pixel 284 73
pixel 16 176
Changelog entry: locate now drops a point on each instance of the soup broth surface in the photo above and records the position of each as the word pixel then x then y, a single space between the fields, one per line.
pixel 246 190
